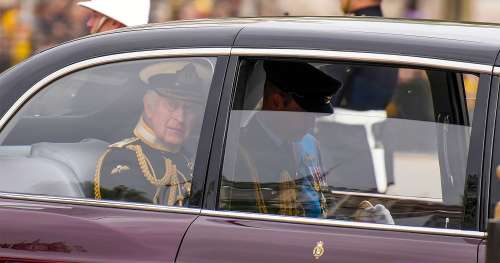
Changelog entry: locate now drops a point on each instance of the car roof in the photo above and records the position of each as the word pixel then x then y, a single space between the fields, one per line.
pixel 466 42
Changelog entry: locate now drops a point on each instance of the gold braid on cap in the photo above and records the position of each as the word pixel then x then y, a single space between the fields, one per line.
pixel 97 176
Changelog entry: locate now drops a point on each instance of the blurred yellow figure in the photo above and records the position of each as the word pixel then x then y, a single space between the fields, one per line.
pixel 21 48
pixel 18 34
pixel 471 84
pixel 9 22
pixel 204 6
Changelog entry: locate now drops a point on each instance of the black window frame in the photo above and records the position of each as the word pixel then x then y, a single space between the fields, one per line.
pixel 491 184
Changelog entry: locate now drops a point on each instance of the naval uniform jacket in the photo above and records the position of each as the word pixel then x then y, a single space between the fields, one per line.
pixel 287 177
pixel 139 170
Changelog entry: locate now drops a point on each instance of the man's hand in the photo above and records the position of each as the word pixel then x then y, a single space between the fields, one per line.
pixel 373 214
pixel 378 214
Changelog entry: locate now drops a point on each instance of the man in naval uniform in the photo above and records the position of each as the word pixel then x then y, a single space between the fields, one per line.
pixel 152 166
pixel 277 150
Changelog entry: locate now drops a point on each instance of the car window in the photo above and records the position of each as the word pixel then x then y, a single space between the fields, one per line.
pixel 364 143
pixel 125 131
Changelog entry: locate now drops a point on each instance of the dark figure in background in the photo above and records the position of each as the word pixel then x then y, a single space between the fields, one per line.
pixel 153 166
pixel 367 88
pixel 362 7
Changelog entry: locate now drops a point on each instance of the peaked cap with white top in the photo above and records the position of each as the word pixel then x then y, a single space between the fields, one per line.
pixel 127 12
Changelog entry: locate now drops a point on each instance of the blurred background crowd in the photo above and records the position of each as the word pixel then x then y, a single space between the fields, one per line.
pixel 30 26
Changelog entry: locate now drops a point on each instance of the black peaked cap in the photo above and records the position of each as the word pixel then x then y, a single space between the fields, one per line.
pixel 185 84
pixel 311 88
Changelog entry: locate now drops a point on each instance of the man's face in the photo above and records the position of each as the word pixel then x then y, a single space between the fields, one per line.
pixel 288 117
pixel 171 120
pixel 99 23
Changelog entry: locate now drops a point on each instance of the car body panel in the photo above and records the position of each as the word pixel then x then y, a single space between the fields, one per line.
pixel 261 241
pixel 481 252
pixel 72 233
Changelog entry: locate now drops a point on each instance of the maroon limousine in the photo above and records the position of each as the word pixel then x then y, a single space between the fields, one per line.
pixel 254 140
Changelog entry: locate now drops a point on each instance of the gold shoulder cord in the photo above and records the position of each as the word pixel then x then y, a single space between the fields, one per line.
pixel 172 193
pixel 97 176
pixel 176 186
pixel 288 196
pixel 148 171
pixel 255 176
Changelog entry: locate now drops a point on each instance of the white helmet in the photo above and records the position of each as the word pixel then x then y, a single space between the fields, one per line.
pixel 127 12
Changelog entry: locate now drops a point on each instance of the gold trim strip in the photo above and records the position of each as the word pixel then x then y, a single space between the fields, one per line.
pixel 347 224
pixel 108 59
pixel 365 57
pixel 100 203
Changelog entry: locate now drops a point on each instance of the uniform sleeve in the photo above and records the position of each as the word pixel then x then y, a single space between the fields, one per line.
pixel 115 171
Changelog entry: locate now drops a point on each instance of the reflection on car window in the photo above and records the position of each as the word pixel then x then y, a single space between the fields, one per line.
pixel 125 131
pixel 471 83
pixel 351 142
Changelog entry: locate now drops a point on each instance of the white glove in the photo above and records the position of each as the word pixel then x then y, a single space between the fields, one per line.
pixel 378 214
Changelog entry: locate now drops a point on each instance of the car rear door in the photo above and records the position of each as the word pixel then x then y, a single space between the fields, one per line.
pixel 48 212
pixel 493 182
pixel 418 154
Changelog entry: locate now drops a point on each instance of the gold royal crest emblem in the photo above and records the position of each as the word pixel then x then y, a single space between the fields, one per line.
pixel 318 250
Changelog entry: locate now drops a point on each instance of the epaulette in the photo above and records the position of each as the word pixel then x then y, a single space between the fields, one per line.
pixel 123 142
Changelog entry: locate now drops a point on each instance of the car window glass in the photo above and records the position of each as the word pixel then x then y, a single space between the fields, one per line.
pixel 125 131
pixel 386 145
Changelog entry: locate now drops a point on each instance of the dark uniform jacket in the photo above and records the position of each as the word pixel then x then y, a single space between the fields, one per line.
pixel 283 177
pixel 139 169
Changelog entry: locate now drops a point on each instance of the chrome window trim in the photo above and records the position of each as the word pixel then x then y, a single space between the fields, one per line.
pixel 397 197
pixel 188 52
pixel 100 203
pixel 346 224
pixel 366 57
pixel 496 71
